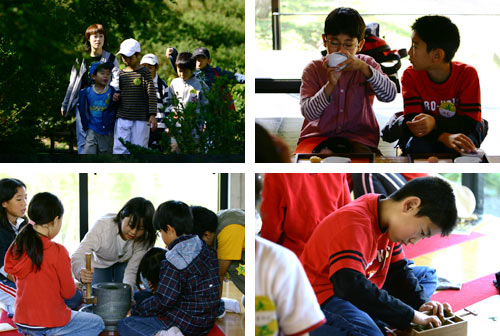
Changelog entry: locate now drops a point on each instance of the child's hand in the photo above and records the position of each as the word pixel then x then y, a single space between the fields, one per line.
pixel 437 308
pixel 62 112
pixel 116 97
pixel 423 319
pixel 152 287
pixel 152 122
pixel 86 276
pixel 333 76
pixel 459 142
pixel 421 125
pixel 353 63
pixel 169 52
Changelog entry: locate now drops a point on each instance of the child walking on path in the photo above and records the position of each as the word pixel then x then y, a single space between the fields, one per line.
pixel 138 106
pixel 43 277
pixel 150 61
pixel 98 110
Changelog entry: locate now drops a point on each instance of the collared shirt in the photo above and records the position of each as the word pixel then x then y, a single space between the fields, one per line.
pixel 188 290
pixel 348 112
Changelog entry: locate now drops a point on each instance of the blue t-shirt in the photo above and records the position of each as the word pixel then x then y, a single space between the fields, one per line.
pixel 98 105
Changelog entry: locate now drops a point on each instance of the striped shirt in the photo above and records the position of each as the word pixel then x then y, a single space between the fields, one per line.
pixel 137 96
pixel 348 112
pixel 162 97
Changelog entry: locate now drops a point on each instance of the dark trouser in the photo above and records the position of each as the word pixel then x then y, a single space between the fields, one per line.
pixel 423 146
pixel 345 319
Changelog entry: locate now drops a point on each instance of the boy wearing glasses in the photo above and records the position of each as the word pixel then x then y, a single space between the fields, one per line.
pixel 442 99
pixel 336 102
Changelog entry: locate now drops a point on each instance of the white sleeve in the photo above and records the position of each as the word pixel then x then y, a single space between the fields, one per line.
pixel 115 81
pixel 91 242
pixel 287 285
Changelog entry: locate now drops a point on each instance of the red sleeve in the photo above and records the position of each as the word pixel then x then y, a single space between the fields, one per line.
pixel 469 103
pixel 272 208
pixel 64 273
pixel 349 249
pixel 412 100
pixel 347 190
pixel 397 253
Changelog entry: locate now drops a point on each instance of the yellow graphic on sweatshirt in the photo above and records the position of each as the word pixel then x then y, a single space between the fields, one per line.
pixel 266 321
pixel 447 109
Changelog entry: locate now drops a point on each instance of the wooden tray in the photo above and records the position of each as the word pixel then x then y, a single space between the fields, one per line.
pixel 452 325
pixel 355 157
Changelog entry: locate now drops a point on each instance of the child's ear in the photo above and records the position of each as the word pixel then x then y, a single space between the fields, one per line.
pixel 438 55
pixel 411 204
pixel 360 46
pixel 323 37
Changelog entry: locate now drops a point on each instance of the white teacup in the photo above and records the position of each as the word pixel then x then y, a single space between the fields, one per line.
pixel 335 59
pixel 336 159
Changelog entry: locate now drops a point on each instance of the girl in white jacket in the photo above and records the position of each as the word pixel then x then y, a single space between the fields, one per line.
pixel 117 243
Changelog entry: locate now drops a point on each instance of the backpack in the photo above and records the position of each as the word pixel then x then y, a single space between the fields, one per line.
pixel 376 47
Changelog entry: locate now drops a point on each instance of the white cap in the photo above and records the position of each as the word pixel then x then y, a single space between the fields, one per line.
pixel 129 47
pixel 149 59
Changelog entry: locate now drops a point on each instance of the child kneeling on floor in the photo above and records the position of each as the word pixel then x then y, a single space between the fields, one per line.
pixel 187 295
pixel 42 271
pixel 356 263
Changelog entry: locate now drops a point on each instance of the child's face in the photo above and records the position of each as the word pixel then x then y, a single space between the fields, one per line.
pixel 101 77
pixel 419 57
pixel 202 62
pixel 16 206
pixel 342 43
pixel 128 233
pixel 168 236
pixel 184 73
pixel 96 40
pixel 151 68
pixel 130 61
pixel 407 227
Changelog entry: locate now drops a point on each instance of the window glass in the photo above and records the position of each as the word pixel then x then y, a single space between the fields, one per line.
pixel 109 192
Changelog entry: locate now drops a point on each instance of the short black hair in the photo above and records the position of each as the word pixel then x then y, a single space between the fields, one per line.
pixel 138 208
pixel 347 21
pixel 437 201
pixel 203 220
pixel 438 32
pixel 177 214
pixel 150 265
pixel 185 60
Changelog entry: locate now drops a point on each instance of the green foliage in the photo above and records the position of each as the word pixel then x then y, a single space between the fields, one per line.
pixel 41 39
pixel 213 128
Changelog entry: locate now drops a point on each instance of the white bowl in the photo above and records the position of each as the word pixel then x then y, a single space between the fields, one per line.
pixel 336 159
pixel 335 59
pixel 467 159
